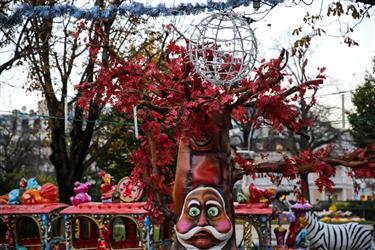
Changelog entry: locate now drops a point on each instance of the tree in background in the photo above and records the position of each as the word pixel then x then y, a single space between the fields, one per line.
pixel 363 119
pixel 115 159
pixel 345 14
pixel 57 54
pixel 318 132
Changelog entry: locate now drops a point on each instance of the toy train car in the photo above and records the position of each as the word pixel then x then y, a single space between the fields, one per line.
pixel 92 225
pixel 98 225
pixel 119 226
pixel 32 227
pixel 118 222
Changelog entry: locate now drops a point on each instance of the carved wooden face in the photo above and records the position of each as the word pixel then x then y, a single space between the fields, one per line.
pixel 203 223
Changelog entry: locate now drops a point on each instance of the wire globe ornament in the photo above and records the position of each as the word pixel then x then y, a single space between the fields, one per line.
pixel 223 48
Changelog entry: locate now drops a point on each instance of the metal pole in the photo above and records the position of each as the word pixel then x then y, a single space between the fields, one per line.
pixel 135 121
pixel 343 110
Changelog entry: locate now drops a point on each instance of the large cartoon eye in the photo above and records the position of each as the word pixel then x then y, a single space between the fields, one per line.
pixel 194 211
pixel 212 212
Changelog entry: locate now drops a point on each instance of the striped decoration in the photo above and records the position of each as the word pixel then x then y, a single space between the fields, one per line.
pixel 350 236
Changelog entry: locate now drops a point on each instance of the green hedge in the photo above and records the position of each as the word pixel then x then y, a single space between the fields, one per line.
pixel 10 181
pixel 364 209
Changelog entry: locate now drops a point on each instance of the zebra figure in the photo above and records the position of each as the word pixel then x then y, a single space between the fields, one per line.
pixel 350 236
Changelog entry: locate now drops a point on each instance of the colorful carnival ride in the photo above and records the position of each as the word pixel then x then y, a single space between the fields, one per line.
pixel 32 218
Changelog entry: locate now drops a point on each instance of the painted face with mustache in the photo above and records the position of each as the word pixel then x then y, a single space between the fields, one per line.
pixel 203 223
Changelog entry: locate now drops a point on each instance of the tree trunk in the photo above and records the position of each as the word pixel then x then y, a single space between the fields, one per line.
pixel 66 185
pixel 202 194
pixel 67 173
pixel 306 187
pixel 68 168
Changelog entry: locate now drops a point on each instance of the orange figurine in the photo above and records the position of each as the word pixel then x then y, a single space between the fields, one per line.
pixel 107 187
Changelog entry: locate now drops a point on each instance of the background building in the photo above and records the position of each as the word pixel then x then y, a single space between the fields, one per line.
pixel 24 143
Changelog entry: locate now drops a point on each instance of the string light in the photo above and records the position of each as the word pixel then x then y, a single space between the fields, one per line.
pixel 18 113
pixel 132 8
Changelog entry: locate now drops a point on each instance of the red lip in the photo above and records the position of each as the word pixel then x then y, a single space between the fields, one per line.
pixel 203 239
pixel 203 234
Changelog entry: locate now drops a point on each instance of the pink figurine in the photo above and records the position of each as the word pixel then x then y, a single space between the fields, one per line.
pixel 81 190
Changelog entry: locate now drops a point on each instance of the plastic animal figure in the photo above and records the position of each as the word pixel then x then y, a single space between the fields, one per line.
pixel 13 197
pixel 22 185
pixel 338 237
pixel 32 196
pixel 81 190
pixel 4 199
pixel 48 193
pixel 32 183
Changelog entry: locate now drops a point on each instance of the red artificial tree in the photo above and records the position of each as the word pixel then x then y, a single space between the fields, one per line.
pixel 186 118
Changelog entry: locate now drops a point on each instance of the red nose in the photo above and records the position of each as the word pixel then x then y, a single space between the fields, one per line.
pixel 202 220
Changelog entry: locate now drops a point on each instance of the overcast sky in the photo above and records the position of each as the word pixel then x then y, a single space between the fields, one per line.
pixel 345 66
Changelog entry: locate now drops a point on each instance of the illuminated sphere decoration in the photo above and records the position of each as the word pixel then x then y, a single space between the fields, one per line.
pixel 223 48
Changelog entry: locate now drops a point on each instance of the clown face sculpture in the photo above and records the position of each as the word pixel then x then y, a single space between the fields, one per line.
pixel 203 223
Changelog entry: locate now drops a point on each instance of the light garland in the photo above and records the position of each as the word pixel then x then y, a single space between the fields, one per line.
pixel 133 8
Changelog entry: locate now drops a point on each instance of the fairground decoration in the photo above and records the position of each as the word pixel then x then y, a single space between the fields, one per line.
pixel 297 236
pixel 181 107
pixel 129 191
pixel 106 225
pixel 107 187
pixel 81 190
pixel 126 8
pixel 223 51
pixel 223 48
pixel 33 209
